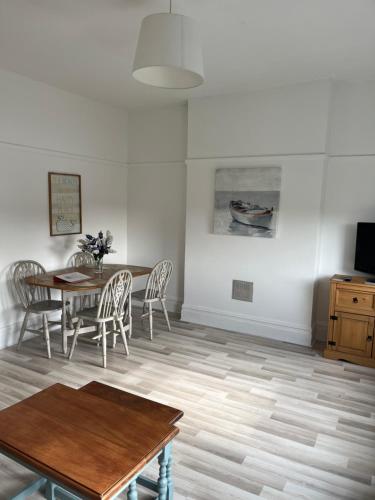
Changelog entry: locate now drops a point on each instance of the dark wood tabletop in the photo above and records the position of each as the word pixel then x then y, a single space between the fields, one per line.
pixel 92 440
pixel 97 280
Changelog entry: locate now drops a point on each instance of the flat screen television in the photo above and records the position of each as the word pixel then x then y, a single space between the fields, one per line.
pixel 365 248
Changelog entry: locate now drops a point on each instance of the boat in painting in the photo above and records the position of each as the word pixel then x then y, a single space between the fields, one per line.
pixel 251 214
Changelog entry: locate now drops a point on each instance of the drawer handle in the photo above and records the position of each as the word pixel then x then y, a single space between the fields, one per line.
pixel 369 338
pixel 355 300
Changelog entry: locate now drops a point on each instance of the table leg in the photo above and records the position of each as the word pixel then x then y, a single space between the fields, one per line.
pixel 165 485
pixel 64 338
pixel 169 474
pixel 29 490
pixel 50 491
pixel 132 493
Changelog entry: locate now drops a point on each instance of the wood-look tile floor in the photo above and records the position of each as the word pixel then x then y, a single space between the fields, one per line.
pixel 262 418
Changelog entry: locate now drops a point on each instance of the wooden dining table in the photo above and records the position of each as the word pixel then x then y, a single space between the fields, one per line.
pixel 94 442
pixel 94 284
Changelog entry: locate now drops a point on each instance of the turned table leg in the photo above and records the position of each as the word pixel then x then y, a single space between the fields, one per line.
pixel 132 493
pixel 165 484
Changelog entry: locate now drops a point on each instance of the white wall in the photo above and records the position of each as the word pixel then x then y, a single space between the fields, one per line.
pixel 282 269
pixel 44 129
pixel 349 190
pixel 281 121
pixel 157 187
pixel 257 127
pixel 157 135
pixel 41 116
pixel 352 130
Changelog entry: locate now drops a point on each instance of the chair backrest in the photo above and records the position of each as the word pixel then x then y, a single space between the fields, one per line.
pixel 158 280
pixel 28 294
pixel 114 295
pixel 81 259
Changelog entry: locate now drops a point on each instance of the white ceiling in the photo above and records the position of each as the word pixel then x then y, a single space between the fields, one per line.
pixel 87 46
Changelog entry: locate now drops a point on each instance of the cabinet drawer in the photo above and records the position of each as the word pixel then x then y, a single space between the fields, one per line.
pixel 349 300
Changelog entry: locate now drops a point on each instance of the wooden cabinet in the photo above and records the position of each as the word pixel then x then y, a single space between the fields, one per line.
pixel 351 320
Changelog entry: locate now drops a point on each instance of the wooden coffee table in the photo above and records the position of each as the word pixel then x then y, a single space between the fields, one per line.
pixel 90 443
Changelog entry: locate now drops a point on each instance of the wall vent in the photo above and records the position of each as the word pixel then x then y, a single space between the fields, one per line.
pixel 242 290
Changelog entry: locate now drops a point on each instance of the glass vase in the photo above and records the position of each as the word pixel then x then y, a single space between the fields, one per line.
pixel 99 265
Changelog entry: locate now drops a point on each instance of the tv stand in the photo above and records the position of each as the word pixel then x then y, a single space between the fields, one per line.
pixel 351 320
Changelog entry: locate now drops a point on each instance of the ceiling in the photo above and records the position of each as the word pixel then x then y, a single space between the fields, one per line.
pixel 87 46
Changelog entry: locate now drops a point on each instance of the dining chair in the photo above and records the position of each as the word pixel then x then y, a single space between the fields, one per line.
pixel 79 259
pixel 155 291
pixel 80 300
pixel 34 299
pixel 112 310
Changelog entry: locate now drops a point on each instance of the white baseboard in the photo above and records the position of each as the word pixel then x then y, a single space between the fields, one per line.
pixel 243 323
pixel 9 334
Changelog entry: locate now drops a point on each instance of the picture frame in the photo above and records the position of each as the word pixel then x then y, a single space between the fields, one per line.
pixel 247 201
pixel 65 205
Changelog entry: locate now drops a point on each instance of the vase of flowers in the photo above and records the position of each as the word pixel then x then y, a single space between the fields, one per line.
pixel 98 247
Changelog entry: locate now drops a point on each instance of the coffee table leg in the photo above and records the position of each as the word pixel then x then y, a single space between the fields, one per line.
pixel 169 474
pixel 50 491
pixel 132 493
pixel 30 489
pixel 165 485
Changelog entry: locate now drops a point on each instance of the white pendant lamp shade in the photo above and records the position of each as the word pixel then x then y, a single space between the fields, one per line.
pixel 168 53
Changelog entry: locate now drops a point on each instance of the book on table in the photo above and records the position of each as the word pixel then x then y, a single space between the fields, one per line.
pixel 72 277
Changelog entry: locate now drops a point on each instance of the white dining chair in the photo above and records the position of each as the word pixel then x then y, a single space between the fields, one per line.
pixel 81 300
pixel 79 259
pixel 34 299
pixel 114 308
pixel 155 291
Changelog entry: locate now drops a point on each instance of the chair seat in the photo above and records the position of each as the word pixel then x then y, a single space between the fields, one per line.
pixel 90 314
pixel 45 306
pixel 140 295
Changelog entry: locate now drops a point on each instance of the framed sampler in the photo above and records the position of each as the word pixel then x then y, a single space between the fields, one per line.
pixel 65 207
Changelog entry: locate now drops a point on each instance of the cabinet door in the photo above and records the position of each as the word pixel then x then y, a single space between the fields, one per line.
pixel 353 334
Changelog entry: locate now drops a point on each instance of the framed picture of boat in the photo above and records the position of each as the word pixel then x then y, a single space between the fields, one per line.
pixel 247 201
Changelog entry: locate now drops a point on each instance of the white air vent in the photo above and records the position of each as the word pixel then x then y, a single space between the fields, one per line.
pixel 242 290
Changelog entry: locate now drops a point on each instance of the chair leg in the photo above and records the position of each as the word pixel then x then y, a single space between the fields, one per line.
pixel 130 318
pixel 64 338
pixel 23 329
pixel 98 335
pixel 46 335
pixel 76 333
pixel 69 314
pixel 123 336
pixel 162 301
pixel 130 326
pixel 114 334
pixel 150 318
pixel 104 345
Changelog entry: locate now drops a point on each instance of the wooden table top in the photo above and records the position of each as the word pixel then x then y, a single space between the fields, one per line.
pixel 92 440
pixel 97 280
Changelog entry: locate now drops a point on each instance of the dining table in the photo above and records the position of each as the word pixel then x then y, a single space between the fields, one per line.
pixel 91 286
pixel 94 442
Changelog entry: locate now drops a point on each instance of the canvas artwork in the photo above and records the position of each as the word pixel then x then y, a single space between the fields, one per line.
pixel 64 204
pixel 247 201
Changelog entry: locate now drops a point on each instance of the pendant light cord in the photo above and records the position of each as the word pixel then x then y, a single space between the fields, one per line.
pixel 170 6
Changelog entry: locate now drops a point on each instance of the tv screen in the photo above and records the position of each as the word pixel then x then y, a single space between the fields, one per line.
pixel 365 247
